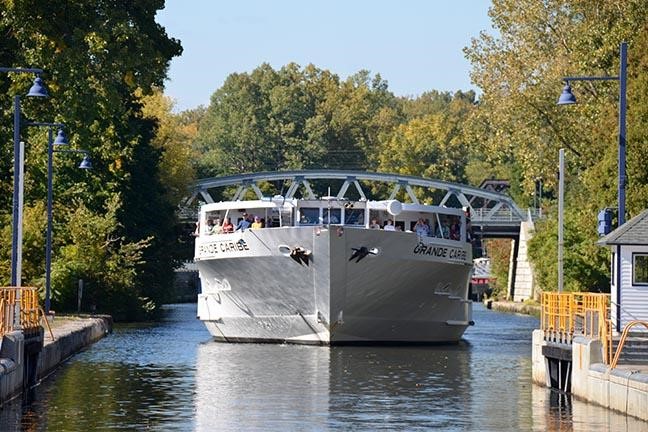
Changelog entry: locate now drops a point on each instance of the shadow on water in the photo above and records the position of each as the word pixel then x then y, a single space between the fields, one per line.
pixel 171 376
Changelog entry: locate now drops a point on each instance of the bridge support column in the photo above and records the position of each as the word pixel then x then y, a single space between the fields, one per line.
pixel 521 283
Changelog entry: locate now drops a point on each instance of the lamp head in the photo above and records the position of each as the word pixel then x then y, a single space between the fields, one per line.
pixel 86 163
pixel 60 139
pixel 38 89
pixel 567 97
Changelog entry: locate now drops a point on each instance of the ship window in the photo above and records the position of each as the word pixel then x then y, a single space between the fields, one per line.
pixel 354 216
pixel 336 216
pixel 448 227
pixel 640 269
pixel 309 216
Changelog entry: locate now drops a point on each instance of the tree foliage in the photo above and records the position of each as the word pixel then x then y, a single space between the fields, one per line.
pixel 100 60
pixel 520 74
pixel 293 118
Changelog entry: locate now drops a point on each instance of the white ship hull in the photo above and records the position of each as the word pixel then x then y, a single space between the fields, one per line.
pixel 409 290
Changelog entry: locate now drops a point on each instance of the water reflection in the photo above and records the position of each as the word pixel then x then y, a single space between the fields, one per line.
pixel 172 376
pixel 260 387
pixel 139 378
pixel 399 387
pixel 257 387
pixel 554 411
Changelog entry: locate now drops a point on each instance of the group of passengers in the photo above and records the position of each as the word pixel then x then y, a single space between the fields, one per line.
pixel 443 230
pixel 389 225
pixel 215 226
pixel 422 228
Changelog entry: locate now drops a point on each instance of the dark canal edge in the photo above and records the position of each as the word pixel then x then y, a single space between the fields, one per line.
pixel 26 362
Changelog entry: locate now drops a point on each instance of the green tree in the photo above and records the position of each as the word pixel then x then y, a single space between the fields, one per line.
pixel 99 58
pixel 433 145
pixel 520 73
pixel 294 118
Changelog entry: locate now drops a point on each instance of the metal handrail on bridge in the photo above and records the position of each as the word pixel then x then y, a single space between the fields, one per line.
pixel 565 315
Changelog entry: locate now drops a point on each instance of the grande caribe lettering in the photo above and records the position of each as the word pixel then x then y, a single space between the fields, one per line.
pixel 223 247
pixel 439 251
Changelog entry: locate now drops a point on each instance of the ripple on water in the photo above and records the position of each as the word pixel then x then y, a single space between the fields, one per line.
pixel 171 376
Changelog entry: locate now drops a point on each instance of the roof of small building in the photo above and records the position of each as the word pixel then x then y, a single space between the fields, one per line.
pixel 633 232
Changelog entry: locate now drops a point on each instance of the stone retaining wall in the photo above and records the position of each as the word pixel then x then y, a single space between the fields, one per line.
pixel 70 336
pixel 621 389
pixel 74 335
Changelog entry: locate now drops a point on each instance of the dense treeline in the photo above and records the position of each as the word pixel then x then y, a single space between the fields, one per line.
pixel 115 226
pixel 301 118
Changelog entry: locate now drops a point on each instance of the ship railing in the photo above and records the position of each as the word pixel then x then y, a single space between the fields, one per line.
pixel 565 315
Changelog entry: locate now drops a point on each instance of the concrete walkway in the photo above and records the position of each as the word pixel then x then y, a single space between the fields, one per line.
pixel 67 324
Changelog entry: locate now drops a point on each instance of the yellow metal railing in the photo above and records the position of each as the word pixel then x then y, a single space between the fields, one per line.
pixel 564 315
pixel 624 336
pixel 30 313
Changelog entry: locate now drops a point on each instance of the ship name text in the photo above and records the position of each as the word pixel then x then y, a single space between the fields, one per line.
pixel 219 247
pixel 440 251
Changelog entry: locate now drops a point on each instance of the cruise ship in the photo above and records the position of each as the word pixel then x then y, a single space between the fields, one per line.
pixel 333 271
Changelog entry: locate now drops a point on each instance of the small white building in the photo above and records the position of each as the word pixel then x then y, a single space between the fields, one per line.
pixel 629 275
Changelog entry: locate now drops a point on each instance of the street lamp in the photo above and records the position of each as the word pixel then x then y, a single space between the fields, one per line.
pixel 36 90
pixel 568 98
pixel 60 140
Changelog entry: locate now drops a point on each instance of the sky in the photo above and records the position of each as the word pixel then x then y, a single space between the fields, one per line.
pixel 415 45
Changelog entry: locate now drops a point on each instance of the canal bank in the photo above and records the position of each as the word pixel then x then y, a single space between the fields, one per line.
pixel 26 361
pixel 623 388
pixel 514 307
pixel 577 351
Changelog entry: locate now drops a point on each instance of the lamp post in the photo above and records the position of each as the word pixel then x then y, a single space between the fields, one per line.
pixel 60 140
pixel 36 90
pixel 568 98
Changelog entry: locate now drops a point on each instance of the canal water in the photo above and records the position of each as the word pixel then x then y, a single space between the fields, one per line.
pixel 170 376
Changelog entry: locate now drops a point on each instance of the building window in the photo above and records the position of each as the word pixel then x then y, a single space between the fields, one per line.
pixel 640 269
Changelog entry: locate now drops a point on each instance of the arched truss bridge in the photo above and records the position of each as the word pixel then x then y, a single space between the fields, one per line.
pixel 487 208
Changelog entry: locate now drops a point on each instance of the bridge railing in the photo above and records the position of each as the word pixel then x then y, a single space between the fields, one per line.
pixel 24 302
pixel 565 315
pixel 502 215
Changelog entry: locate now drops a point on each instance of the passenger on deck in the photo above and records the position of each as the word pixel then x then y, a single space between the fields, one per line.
pixel 244 223
pixel 442 231
pixel 389 226
pixel 227 227
pixel 257 224
pixel 429 227
pixel 374 224
pixel 216 227
pixel 421 228
pixel 455 230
